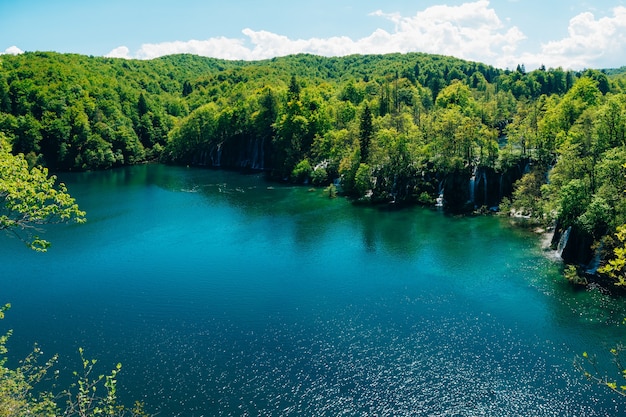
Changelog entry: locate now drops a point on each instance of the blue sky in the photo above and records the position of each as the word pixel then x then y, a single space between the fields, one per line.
pixel 572 34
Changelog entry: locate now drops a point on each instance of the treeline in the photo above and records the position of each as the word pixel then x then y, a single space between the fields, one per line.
pixel 72 112
pixel 401 128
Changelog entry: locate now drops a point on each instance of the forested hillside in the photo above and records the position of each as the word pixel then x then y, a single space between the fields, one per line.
pixel 548 145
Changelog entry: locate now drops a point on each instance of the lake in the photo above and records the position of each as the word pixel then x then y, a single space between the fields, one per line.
pixel 224 294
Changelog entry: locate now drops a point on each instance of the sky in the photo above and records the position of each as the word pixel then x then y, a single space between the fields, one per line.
pixel 572 34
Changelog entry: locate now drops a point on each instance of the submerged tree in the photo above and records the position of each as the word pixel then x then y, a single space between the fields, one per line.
pixel 29 199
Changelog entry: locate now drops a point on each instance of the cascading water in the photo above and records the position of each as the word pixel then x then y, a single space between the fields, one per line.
pixel 440 199
pixel 472 187
pixel 479 177
pixel 472 190
pixel 251 157
pixel 593 266
pixel 563 242
pixel 216 156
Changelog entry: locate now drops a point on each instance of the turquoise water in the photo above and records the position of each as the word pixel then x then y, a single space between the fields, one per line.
pixel 224 294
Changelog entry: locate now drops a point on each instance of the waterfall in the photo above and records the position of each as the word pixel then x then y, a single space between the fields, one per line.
pixel 439 200
pixel 200 159
pixel 472 186
pixel 253 148
pixel 593 266
pixel 254 155
pixel 563 242
pixel 216 156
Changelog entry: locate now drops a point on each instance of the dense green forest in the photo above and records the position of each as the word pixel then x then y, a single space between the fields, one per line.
pixel 546 145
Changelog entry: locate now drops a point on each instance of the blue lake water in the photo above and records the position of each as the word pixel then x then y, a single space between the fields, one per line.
pixel 224 294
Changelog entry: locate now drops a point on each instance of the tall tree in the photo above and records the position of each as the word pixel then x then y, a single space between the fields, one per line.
pixel 187 88
pixel 294 89
pixel 366 132
pixel 142 105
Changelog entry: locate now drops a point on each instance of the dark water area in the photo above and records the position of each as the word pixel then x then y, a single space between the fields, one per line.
pixel 224 294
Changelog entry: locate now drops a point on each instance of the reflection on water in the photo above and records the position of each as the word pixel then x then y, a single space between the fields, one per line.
pixel 225 294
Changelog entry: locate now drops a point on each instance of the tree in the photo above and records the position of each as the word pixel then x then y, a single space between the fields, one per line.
pixel 527 196
pixel 616 267
pixel 456 94
pixel 30 199
pixel 294 89
pixel 187 88
pixel 366 132
pixel 90 396
pixel 142 105
pixel 362 180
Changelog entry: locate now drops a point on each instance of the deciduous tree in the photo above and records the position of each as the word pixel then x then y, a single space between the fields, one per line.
pixel 30 199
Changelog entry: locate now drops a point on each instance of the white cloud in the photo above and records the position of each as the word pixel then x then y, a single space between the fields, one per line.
pixel 221 47
pixel 13 50
pixel 591 42
pixel 119 52
pixel 470 31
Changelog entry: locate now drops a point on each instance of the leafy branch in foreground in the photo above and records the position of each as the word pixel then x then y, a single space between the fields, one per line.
pixel 589 367
pixel 84 399
pixel 30 199
pixel 88 397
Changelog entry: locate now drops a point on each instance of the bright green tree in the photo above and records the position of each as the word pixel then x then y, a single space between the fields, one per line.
pixel 363 180
pixel 616 267
pixel 29 199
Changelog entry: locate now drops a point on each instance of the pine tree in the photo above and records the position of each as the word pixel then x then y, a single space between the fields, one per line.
pixel 187 88
pixel 366 131
pixel 142 105
pixel 294 89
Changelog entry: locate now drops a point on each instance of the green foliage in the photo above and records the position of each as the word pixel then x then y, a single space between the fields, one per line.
pixel 331 190
pixel 366 132
pixel 77 112
pixel 527 196
pixel 573 277
pixel 589 367
pixel 89 397
pixel 347 170
pixel 572 198
pixel 615 268
pixel 456 94
pixel 413 119
pixel 94 395
pixel 30 199
pixel 362 180
pixel 319 176
pixel 302 172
